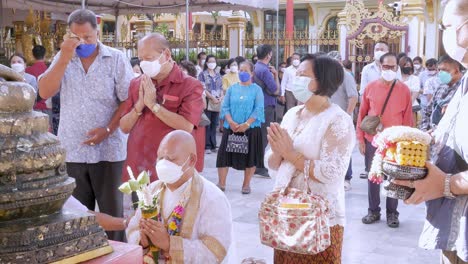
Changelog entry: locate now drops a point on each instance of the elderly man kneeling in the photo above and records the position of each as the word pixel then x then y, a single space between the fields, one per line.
pixel 204 234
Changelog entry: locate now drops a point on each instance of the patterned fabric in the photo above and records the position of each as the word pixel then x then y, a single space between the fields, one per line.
pixel 242 103
pixel 446 226
pixel 89 100
pixel 300 226
pixel 212 84
pixel 332 255
pixel 443 94
pixel 327 139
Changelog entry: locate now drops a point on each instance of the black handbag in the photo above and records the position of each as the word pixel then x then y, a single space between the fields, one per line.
pixel 238 144
pixel 373 124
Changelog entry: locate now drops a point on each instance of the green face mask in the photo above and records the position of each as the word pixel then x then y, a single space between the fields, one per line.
pixel 445 77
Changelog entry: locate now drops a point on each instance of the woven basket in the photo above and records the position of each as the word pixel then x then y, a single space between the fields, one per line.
pixel 395 171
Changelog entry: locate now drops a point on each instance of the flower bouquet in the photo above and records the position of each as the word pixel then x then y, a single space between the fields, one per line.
pixel 401 154
pixel 147 202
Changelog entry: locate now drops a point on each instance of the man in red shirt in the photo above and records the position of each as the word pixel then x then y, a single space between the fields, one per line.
pixel 38 68
pixel 161 100
pixel 398 112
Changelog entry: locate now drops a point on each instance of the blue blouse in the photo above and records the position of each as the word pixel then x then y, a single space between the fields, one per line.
pixel 242 103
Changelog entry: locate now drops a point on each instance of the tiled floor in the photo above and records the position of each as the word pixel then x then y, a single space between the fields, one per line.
pixel 364 244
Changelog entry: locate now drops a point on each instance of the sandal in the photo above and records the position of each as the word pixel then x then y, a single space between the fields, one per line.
pixel 246 190
pixel 222 188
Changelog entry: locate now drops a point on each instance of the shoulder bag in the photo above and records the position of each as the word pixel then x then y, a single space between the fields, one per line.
pixel 295 221
pixel 373 124
pixel 238 144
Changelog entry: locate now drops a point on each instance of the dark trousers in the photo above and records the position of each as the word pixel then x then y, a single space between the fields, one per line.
pixel 269 118
pixel 349 172
pixel 100 182
pixel 374 189
pixel 211 129
pixel 280 110
pixel 291 101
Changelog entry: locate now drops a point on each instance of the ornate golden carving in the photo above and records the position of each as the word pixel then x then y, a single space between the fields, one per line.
pixel 376 32
pixel 355 12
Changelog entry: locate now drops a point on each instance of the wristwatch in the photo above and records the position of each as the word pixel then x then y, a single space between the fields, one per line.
pixel 156 108
pixel 447 193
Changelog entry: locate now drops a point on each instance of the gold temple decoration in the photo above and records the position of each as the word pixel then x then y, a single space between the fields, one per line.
pixel 430 10
pixel 124 31
pixel 354 14
pixel 47 36
pixel 19 30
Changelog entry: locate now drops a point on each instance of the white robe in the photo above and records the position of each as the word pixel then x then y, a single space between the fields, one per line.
pixel 212 224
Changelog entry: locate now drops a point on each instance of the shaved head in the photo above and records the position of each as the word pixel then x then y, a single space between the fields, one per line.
pixel 179 147
pixel 155 40
pixel 179 140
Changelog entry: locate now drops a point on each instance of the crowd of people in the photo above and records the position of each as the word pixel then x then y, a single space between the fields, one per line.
pixel 295 123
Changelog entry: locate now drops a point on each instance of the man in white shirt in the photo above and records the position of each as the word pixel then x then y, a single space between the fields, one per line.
pixel 204 232
pixel 201 58
pixel 287 81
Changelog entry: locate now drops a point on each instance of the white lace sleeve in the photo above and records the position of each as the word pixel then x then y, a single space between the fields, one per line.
pixel 335 150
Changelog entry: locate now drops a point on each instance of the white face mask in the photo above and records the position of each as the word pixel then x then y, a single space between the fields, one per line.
pixel 234 69
pixel 301 88
pixel 136 74
pixel 378 54
pixel 18 67
pixel 211 65
pixel 417 66
pixel 202 62
pixel 431 72
pixel 168 171
pixel 296 63
pixel 449 40
pixel 152 68
pixel 388 75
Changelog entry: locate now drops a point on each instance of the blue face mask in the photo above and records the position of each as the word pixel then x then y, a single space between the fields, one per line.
pixel 85 50
pixel 445 77
pixel 244 76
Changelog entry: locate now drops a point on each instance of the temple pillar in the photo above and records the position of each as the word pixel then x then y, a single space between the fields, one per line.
pixel 414 13
pixel 289 49
pixel 343 32
pixel 236 28
pixel 143 26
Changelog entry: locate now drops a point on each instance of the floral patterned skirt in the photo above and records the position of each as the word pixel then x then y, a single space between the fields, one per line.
pixel 332 255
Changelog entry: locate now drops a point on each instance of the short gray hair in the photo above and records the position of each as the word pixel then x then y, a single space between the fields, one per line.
pixel 82 16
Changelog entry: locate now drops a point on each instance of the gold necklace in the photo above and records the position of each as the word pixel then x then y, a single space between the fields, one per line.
pixel 299 128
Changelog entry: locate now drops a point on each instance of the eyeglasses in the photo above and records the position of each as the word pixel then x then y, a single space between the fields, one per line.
pixel 389 67
pixel 443 27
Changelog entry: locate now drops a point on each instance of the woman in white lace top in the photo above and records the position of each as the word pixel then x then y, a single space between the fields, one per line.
pixel 317 139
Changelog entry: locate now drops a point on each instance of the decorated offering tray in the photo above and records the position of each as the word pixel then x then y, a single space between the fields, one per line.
pixel 401 155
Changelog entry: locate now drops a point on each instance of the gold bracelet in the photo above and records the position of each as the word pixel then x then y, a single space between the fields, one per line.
pixel 298 157
pixel 138 113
